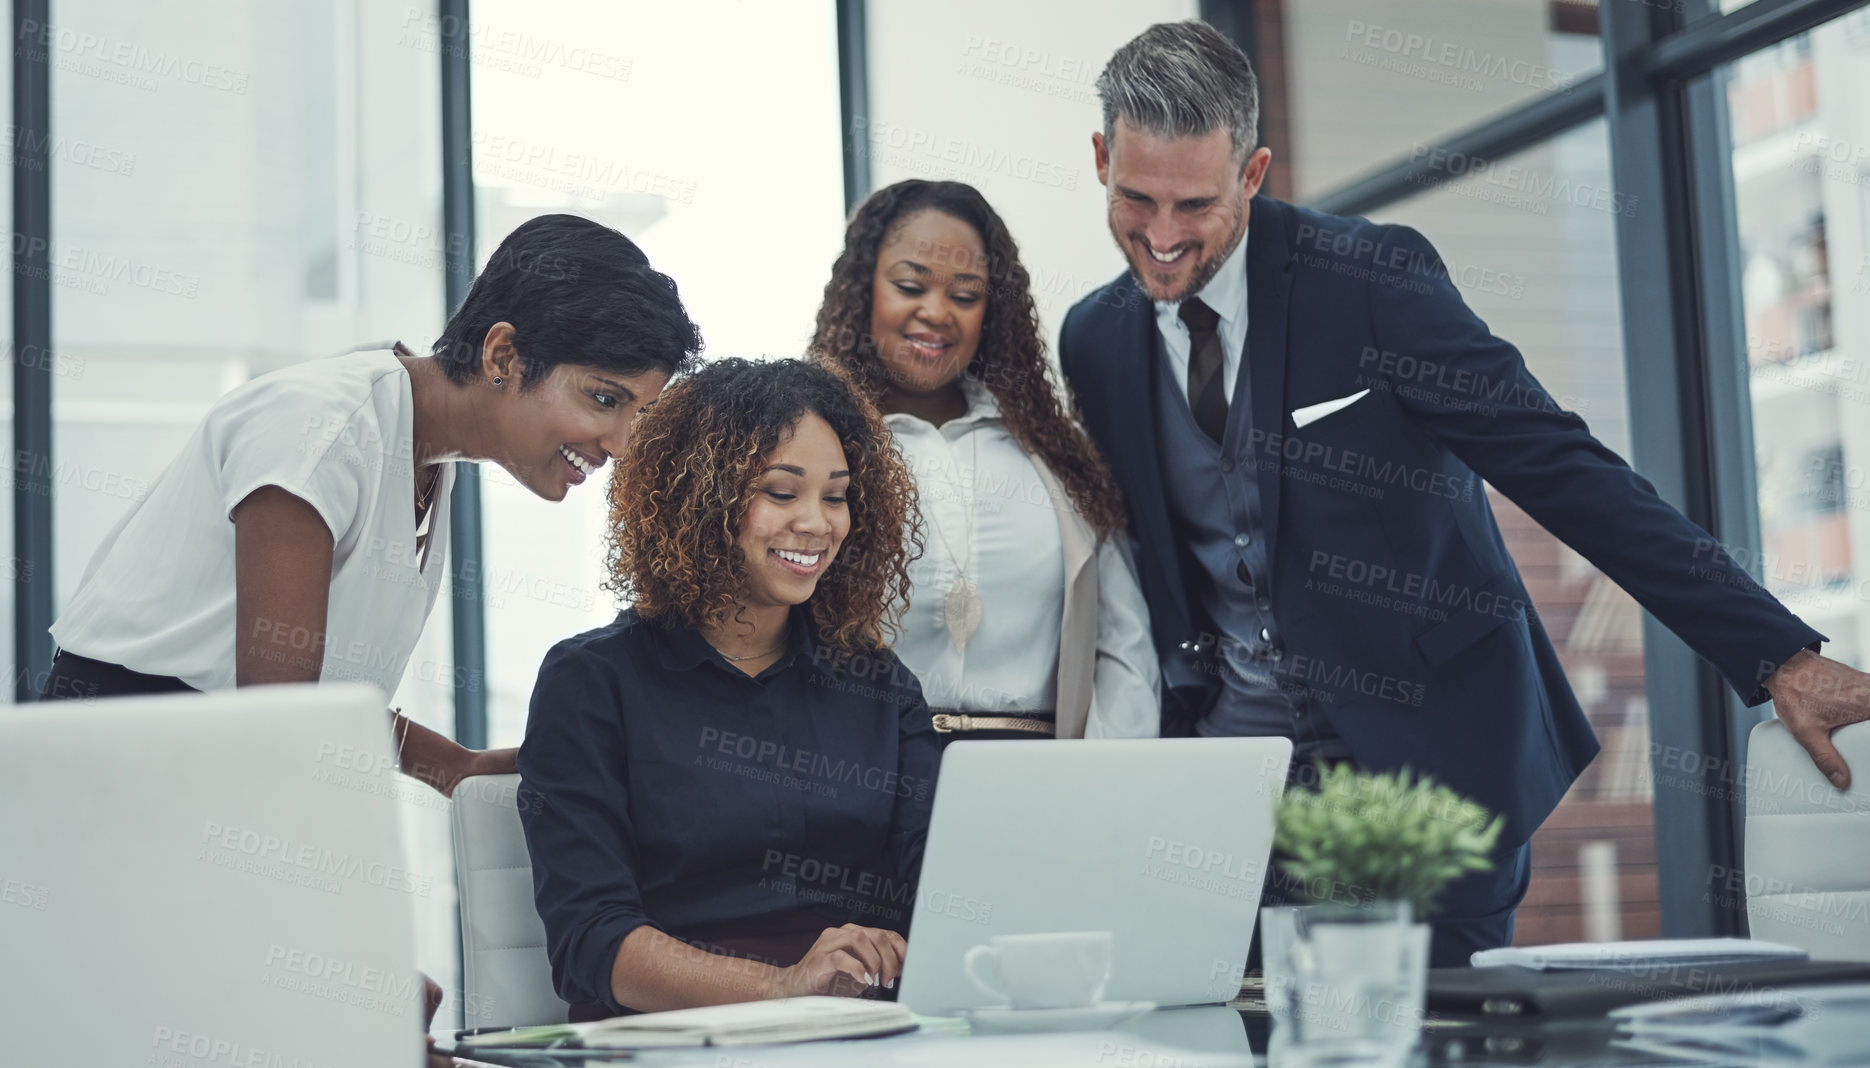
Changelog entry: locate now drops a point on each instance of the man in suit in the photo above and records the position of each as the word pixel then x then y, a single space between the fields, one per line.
pixel 1300 409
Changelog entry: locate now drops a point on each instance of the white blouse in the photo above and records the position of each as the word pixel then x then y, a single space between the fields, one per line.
pixel 158 596
pixel 989 519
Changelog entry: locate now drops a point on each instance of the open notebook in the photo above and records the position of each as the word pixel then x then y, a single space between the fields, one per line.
pixel 804 1019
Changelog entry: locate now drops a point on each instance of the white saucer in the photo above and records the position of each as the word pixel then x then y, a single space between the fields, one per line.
pixel 1001 1020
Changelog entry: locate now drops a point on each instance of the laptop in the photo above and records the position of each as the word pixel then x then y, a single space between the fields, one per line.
pixel 200 880
pixel 1164 842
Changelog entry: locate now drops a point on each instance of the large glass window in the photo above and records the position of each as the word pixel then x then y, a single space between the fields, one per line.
pixel 1368 83
pixel 706 133
pixel 225 205
pixel 1535 256
pixel 1801 171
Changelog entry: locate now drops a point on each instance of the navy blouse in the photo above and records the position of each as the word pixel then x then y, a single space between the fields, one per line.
pixel 661 785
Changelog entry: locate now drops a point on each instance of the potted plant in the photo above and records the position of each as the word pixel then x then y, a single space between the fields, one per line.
pixel 1346 974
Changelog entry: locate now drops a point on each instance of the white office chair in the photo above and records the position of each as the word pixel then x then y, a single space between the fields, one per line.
pixel 1808 845
pixel 506 980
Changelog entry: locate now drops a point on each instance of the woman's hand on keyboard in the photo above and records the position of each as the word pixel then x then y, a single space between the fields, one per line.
pixel 844 961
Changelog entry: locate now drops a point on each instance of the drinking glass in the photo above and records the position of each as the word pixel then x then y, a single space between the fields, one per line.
pixel 1345 985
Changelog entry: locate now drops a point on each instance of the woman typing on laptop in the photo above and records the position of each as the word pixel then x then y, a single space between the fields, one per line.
pixel 725 792
pixel 300 534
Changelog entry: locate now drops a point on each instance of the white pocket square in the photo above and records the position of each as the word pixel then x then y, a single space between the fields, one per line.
pixel 1311 413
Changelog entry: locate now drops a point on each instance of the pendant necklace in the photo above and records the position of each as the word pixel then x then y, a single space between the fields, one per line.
pixel 425 512
pixel 962 607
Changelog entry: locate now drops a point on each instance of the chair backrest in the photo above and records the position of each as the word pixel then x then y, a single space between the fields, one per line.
pixel 1807 876
pixel 506 980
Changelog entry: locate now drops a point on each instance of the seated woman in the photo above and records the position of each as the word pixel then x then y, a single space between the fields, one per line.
pixel 930 312
pixel 725 792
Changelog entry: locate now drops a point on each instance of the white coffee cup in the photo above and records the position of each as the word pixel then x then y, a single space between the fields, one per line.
pixel 1060 970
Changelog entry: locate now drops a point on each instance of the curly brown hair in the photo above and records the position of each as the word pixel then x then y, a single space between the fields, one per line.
pixel 681 489
pixel 1039 412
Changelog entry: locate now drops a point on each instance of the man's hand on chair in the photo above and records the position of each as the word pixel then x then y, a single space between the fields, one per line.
pixel 1815 695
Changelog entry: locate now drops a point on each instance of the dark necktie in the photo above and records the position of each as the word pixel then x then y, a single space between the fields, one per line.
pixel 1207 393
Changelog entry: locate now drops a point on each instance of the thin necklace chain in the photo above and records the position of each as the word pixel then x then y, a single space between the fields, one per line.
pixel 749 656
pixel 967 511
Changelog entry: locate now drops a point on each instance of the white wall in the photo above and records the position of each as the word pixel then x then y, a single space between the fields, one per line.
pixel 1001 96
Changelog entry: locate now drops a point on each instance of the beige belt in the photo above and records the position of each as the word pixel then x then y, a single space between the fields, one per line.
pixel 952 722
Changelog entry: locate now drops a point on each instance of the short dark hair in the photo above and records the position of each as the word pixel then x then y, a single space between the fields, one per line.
pixel 575 291
pixel 1182 79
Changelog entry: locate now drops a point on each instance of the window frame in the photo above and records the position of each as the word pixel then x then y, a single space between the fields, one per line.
pixel 1670 148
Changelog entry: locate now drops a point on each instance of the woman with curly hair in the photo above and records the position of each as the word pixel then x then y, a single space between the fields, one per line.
pixel 930 312
pixel 725 792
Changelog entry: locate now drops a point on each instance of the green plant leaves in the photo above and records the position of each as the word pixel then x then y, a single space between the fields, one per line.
pixel 1363 837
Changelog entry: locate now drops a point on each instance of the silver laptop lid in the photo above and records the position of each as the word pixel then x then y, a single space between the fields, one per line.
pixel 207 880
pixel 1163 842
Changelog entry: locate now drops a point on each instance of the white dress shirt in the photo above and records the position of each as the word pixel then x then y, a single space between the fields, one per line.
pixel 159 596
pixel 1226 293
pixel 986 512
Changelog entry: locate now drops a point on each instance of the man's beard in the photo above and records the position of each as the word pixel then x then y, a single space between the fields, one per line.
pixel 1205 269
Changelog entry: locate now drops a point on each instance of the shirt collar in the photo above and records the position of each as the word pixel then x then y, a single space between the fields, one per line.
pixel 682 648
pixel 1226 292
pixel 982 406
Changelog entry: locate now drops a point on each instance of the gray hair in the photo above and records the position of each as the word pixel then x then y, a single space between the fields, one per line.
pixel 1182 79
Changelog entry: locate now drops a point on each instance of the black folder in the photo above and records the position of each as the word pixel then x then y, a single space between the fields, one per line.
pixel 1503 994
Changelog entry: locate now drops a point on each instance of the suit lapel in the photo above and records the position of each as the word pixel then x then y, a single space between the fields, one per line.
pixel 1133 379
pixel 1269 292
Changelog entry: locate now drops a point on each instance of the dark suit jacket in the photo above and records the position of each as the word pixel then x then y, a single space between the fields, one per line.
pixel 1404 615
